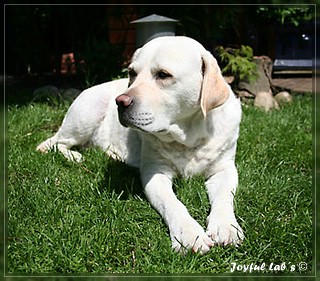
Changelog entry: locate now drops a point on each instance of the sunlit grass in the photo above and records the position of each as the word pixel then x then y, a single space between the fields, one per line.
pixel 93 217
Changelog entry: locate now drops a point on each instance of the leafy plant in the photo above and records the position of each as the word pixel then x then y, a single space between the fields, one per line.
pixel 238 63
pixel 291 15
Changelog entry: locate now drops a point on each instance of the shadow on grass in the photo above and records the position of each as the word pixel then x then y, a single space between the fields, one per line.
pixel 19 90
pixel 122 180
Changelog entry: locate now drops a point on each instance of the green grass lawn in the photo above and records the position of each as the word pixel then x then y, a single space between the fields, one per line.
pixel 93 217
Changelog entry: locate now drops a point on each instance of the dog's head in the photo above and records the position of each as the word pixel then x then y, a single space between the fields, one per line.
pixel 171 80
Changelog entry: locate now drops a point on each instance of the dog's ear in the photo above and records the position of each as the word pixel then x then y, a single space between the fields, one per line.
pixel 214 90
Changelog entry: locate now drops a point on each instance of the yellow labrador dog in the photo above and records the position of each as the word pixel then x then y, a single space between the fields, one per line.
pixel 175 115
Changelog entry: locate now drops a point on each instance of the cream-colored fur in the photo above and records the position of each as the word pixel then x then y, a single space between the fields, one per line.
pixel 177 117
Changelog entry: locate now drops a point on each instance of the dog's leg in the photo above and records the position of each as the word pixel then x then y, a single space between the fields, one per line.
pixel 81 121
pixel 185 232
pixel 223 227
pixel 56 143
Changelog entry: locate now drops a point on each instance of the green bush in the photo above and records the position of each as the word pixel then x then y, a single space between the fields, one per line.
pixel 238 63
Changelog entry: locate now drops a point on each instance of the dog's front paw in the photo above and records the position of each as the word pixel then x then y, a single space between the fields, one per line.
pixel 224 231
pixel 51 144
pixel 73 156
pixel 190 236
pixel 45 146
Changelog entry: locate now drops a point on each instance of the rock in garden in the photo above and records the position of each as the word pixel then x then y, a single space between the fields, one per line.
pixel 70 94
pixel 48 90
pixel 283 97
pixel 262 83
pixel 265 101
pixel 243 94
pixel 229 79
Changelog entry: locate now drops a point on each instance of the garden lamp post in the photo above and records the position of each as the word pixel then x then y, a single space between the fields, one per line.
pixel 153 26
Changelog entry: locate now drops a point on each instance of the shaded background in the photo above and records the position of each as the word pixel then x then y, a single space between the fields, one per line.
pixel 90 44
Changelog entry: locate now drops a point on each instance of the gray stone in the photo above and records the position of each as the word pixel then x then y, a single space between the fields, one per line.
pixel 266 101
pixel 70 94
pixel 47 90
pixel 229 79
pixel 243 94
pixel 263 81
pixel 283 97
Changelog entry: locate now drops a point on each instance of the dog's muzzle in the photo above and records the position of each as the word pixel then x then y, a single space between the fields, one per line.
pixel 128 117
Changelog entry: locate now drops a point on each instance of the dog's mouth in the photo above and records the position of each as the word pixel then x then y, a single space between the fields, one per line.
pixel 138 120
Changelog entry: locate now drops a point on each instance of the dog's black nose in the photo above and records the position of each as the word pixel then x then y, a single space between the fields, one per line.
pixel 124 101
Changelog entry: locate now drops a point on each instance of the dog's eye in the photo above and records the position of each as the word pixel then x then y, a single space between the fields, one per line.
pixel 132 73
pixel 163 75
